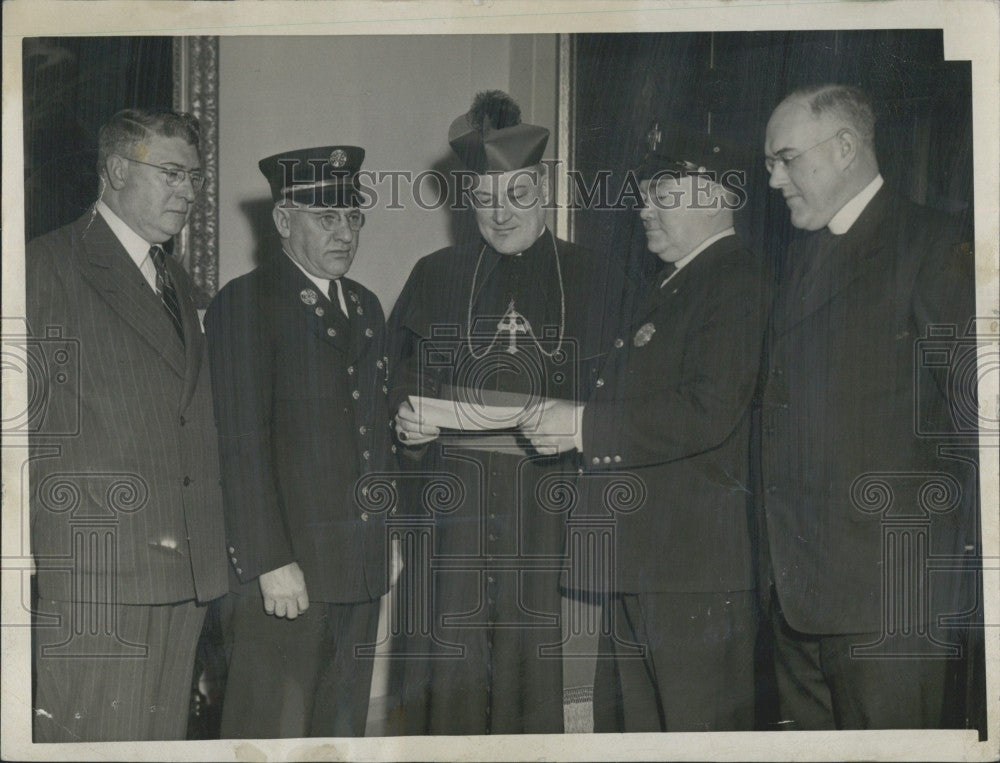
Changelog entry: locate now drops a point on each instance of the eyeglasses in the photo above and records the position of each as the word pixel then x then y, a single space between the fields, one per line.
pixel 174 176
pixel 331 219
pixel 770 162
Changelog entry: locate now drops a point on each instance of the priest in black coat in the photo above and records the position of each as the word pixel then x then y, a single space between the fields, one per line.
pixel 511 315
pixel 866 379
pixel 672 419
pixel 298 364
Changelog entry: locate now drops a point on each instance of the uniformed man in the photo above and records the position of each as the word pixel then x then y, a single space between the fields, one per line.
pixel 510 314
pixel 299 374
pixel 675 413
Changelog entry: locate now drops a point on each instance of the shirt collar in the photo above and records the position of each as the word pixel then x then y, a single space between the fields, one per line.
pixel 136 246
pixel 730 231
pixel 851 211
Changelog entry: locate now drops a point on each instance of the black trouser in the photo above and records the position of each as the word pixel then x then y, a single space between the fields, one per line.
pixel 821 686
pixel 299 678
pixel 695 672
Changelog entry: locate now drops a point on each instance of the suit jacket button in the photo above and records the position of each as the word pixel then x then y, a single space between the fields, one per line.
pixel 187 481
pixel 183 421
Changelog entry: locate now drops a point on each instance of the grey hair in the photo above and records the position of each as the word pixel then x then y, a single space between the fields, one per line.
pixel 844 101
pixel 127 129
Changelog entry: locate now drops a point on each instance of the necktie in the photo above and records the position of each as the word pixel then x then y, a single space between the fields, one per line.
pixel 165 288
pixel 336 295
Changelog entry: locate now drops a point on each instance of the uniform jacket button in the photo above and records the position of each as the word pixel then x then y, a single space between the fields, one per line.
pixel 331 332
pixel 355 394
pixel 364 516
pixel 596 460
pixel 599 383
pixel 619 343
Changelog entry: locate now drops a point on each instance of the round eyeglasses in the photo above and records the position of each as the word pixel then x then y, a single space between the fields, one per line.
pixel 331 219
pixel 174 176
pixel 787 156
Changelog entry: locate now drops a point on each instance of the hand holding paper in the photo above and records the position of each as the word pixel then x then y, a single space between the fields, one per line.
pixel 556 429
pixel 411 427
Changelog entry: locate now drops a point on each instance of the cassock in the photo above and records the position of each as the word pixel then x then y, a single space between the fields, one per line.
pixel 531 324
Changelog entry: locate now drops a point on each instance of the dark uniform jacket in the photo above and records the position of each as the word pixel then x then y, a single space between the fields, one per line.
pixel 126 459
pixel 671 411
pixel 844 396
pixel 300 402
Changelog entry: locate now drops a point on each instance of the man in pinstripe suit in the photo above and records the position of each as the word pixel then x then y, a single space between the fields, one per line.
pixel 126 515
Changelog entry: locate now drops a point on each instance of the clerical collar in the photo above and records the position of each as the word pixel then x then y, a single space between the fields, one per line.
pixel 730 231
pixel 851 211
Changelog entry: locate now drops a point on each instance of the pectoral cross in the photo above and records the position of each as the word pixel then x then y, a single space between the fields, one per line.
pixel 513 323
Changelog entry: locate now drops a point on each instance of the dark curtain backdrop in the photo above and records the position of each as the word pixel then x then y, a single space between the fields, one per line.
pixel 625 82
pixel 71 86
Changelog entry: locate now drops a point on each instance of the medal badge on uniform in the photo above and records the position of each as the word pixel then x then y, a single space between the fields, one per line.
pixel 644 334
pixel 308 296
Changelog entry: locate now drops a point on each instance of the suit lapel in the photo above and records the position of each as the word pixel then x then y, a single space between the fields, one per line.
pixel 854 254
pixel 323 318
pixel 108 268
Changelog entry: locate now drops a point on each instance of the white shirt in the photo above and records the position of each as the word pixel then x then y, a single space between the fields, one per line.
pixel 841 222
pixel 730 231
pixel 136 246
pixel 323 284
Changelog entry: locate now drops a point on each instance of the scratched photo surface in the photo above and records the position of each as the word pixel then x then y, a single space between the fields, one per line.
pixel 386 394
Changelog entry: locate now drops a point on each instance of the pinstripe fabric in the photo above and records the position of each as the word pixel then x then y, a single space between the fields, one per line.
pixel 125 504
pixel 145 422
pixel 99 693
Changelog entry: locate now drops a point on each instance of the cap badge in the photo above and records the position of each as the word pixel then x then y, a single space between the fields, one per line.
pixel 338 157
pixel 644 334
pixel 309 296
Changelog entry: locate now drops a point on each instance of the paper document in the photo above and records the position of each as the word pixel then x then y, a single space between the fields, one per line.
pixel 473 416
